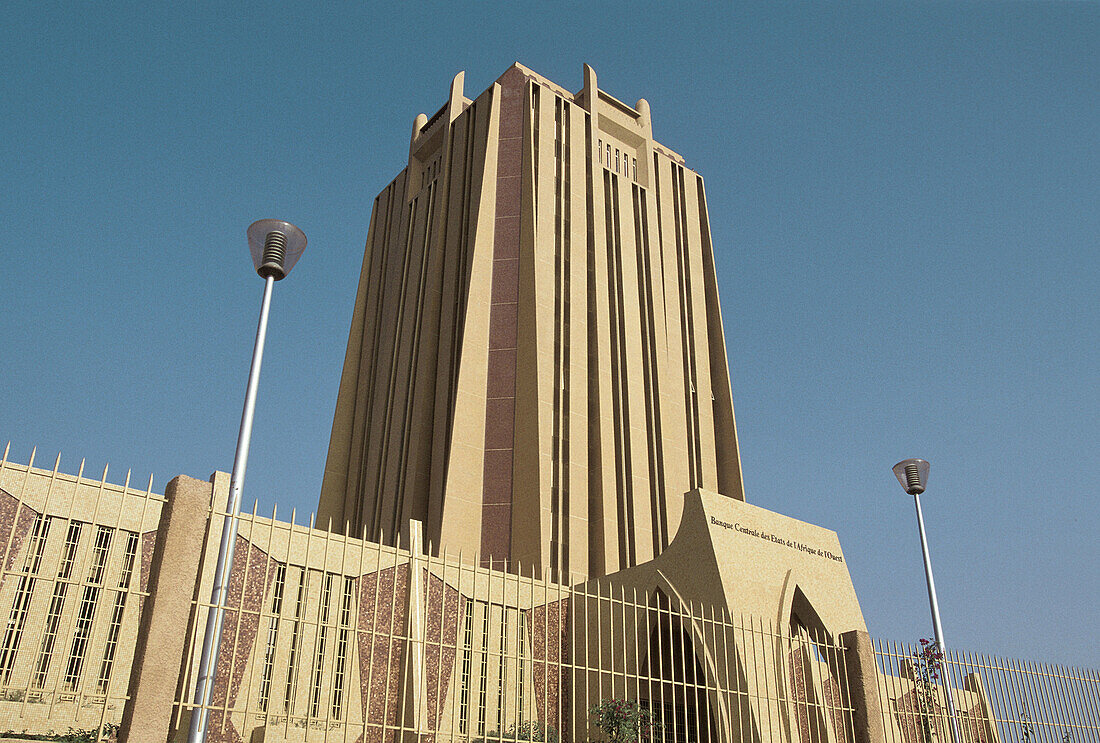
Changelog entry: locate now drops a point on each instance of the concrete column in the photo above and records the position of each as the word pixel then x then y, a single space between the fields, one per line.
pixel 859 661
pixel 162 629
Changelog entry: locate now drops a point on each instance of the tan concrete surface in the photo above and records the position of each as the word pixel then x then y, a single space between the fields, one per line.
pixel 618 399
pixel 162 636
pixel 863 685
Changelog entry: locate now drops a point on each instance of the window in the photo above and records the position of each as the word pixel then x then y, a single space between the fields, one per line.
pixel 483 688
pixel 342 648
pixel 502 669
pixel 599 151
pixel 467 662
pixel 522 675
pixel 18 619
pixel 57 604
pixel 322 639
pixel 295 647
pixel 272 636
pixel 88 603
pixel 116 617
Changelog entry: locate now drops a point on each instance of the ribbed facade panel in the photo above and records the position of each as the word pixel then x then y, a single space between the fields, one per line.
pixel 536 368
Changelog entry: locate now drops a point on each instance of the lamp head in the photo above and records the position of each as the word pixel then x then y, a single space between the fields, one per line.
pixel 912 474
pixel 275 246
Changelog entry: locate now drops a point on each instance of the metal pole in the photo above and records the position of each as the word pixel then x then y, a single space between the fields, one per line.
pixel 936 627
pixel 208 663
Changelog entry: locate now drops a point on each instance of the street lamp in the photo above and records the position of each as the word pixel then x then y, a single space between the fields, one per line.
pixel 913 476
pixel 275 246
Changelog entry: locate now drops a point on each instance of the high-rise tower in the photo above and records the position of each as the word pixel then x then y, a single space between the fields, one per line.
pixel 536 367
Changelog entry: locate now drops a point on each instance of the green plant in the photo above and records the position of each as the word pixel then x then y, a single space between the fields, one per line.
pixel 110 733
pixel 624 721
pixel 928 666
pixel 1027 727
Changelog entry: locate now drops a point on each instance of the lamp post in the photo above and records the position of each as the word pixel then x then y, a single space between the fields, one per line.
pixel 275 246
pixel 913 476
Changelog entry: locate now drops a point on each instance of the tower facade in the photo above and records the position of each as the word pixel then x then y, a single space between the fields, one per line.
pixel 536 367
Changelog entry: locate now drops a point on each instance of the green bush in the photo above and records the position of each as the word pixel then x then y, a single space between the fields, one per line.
pixel 624 721
pixel 110 733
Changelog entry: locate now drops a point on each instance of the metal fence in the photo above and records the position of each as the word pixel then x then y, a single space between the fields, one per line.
pixel 332 638
pixel 996 700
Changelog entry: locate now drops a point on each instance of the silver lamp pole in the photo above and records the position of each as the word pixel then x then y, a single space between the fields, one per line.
pixel 913 476
pixel 275 246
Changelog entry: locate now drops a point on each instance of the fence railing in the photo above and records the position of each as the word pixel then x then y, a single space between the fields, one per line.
pixel 997 700
pixel 328 637
pixel 333 638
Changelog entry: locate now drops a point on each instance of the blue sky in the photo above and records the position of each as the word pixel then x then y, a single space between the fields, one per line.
pixel 903 201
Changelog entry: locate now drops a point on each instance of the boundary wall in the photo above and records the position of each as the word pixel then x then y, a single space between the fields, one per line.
pixel 329 637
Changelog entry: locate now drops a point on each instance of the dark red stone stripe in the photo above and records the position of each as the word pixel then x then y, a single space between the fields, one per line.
pixel 16 520
pixel 500 393
pixel 383 604
pixel 238 633
pixel 550 655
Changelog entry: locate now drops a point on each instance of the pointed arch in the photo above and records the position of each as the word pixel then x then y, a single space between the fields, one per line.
pixel 814 670
pixel 681 669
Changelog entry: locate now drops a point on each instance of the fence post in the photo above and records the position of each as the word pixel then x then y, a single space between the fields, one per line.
pixel 863 686
pixel 162 628
pixel 413 711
